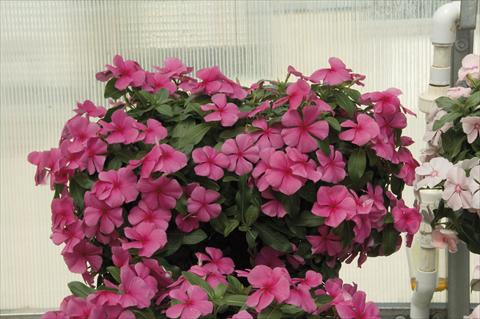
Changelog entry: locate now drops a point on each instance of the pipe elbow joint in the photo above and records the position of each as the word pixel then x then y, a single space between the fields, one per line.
pixel 444 23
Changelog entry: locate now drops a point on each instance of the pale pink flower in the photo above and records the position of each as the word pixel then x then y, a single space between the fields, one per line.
pixel 327 242
pixel 241 153
pixel 362 132
pixel 226 113
pixel 332 167
pixel 471 127
pixel 209 162
pixel 162 192
pixel 98 213
pixel 154 132
pixel 432 173
pixel 202 204
pixel 93 158
pixel 336 74
pixel 475 313
pixel 458 92
pixel 146 237
pixel 357 308
pixel 475 176
pixel 385 103
pixel 142 214
pixel 470 66
pixel 457 190
pixel 116 187
pixel 154 82
pixel 214 258
pixel 280 174
pixel 445 238
pixel 82 254
pixel 300 130
pixel 335 203
pixel 270 284
pixel 267 136
pixel 297 92
pixel 193 303
pixel 122 129
pixel 242 314
pixel 127 73
pixel 134 291
pixel 62 212
pixel 431 136
pixel 214 81
pixel 89 108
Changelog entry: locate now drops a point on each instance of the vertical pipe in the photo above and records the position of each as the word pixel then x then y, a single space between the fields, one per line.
pixel 459 263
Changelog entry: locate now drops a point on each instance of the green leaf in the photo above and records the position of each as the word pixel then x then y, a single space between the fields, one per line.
pixel 444 102
pixel 83 180
pixel 353 94
pixel 389 239
pixel 307 219
pixel 322 299
pixel 333 123
pixel 174 242
pixel 228 179
pixel 77 192
pixel 270 313
pixel 235 284
pixel 397 185
pixel 357 163
pixel 114 272
pixel 187 134
pixel 290 309
pixel 165 110
pixel 194 237
pixel 115 163
pixel 235 300
pixel 197 281
pixel 473 100
pixel 79 289
pixel 272 238
pixel 449 117
pixel 220 290
pixel 144 313
pixel 345 103
pixel 230 225
pixel 251 215
pixel 111 91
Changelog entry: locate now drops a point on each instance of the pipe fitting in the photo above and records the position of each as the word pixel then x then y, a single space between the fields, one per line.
pixel 444 23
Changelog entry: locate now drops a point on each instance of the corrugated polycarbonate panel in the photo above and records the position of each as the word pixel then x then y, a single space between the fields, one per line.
pixel 50 51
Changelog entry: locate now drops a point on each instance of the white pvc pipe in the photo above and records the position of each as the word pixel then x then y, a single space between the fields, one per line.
pixel 444 23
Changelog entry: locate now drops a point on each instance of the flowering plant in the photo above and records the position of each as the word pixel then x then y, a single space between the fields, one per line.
pixel 194 197
pixel 452 161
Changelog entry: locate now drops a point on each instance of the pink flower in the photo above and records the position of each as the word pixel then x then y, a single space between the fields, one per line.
pixel 202 204
pixel 332 167
pixel 376 194
pixel 361 132
pixel 123 128
pixel 127 73
pixel 161 158
pixel 93 158
pixel 445 238
pixel 357 308
pixel 269 257
pixel 83 253
pixel 327 242
pixel 457 190
pixel 471 127
pixel 300 132
pixel 62 212
pixel 81 130
pixel 432 136
pixel 267 136
pixel 116 187
pixel 134 291
pixel 154 132
pixel 300 295
pixel 274 208
pixel 193 303
pixel 470 66
pixel 335 203
pixel 243 314
pixel 271 284
pixel 384 147
pixel 406 219
pixel 161 192
pixel 280 174
pixel 87 107
pixel 146 237
pixel 174 67
pixel 209 162
pixel 99 213
pixel 142 214
pixel 297 92
pixel 241 153
pixel 226 113
pixel 261 167
pixel 407 171
pixel 302 166
pixel 214 258
pixel 210 274
pixel 47 162
pixel 458 92
pixel 432 173
pixel 259 109
pixel 157 81
pixel 71 235
pixel 214 81
pixel 336 74
pixel 385 103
